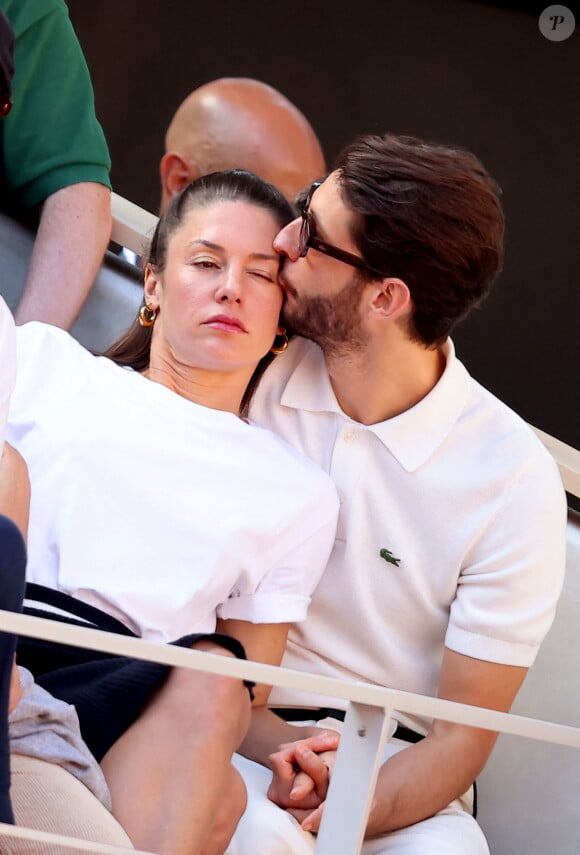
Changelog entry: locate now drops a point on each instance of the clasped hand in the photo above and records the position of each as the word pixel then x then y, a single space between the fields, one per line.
pixel 301 773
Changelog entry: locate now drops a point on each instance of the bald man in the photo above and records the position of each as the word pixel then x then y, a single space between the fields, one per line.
pixel 236 122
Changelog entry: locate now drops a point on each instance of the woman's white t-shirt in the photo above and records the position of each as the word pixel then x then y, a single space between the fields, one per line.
pixel 7 365
pixel 162 512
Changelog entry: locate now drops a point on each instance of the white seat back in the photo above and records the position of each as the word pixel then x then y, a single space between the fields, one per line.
pixel 529 791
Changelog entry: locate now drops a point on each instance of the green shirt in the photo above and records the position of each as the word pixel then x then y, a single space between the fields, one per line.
pixel 51 138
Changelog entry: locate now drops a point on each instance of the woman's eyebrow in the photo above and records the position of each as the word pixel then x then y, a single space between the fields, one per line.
pixel 207 243
pixel 264 256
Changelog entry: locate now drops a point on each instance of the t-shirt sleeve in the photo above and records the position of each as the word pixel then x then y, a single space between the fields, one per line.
pixel 508 590
pixel 284 592
pixel 52 138
pixel 7 365
pixel 45 360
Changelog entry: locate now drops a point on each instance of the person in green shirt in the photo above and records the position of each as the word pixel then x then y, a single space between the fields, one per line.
pixel 54 169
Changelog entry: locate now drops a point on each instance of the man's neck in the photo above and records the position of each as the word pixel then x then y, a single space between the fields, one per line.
pixel 373 386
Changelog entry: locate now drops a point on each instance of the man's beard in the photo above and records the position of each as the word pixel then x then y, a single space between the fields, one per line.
pixel 334 322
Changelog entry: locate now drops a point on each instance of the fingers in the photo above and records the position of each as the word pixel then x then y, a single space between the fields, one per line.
pixel 300 771
pixel 309 819
pixel 282 793
pixel 312 822
pixel 326 740
pixel 312 774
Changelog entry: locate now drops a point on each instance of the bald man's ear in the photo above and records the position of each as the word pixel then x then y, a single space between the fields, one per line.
pixel 176 173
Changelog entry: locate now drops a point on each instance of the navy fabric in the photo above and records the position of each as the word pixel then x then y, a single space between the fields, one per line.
pixel 109 692
pixel 12 568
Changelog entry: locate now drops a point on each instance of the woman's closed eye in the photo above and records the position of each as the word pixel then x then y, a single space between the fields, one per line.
pixel 266 275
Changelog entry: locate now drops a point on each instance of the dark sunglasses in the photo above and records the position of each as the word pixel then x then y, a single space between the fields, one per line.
pixel 309 240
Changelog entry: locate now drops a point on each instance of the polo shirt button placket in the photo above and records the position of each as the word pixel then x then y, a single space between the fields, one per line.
pixel 345 471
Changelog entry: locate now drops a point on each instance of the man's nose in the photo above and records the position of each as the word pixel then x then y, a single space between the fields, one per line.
pixel 287 239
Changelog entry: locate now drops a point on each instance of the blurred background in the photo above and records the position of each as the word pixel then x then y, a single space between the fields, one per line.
pixel 476 74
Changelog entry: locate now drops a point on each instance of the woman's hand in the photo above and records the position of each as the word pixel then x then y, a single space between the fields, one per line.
pixel 301 771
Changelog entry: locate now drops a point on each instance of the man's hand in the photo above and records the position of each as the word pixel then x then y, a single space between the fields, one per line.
pixel 311 774
pixel 301 771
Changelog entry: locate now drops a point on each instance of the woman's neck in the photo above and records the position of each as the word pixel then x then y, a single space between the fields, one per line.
pixel 214 389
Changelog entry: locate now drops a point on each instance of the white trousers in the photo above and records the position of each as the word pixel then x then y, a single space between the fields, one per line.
pixel 266 829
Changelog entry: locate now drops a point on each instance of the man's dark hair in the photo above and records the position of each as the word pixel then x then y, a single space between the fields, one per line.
pixel 430 215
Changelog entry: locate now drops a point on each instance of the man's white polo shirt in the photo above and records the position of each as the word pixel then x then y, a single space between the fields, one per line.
pixel 451 530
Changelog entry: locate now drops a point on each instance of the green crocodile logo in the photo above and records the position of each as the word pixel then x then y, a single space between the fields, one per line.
pixel 389 557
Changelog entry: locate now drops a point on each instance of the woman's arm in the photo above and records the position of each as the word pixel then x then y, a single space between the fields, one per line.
pixel 14 488
pixel 14 504
pixel 267 732
pixel 263 642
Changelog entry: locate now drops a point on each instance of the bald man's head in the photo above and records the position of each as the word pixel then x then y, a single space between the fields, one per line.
pixel 238 123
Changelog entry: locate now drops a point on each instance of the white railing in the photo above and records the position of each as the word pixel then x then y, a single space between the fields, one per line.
pixel 132 226
pixel 367 718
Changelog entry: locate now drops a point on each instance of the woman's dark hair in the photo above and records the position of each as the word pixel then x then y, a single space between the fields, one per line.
pixel 234 185
pixel 430 215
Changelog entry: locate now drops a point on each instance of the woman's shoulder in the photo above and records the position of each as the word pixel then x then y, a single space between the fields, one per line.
pixel 39 334
pixel 47 358
pixel 36 339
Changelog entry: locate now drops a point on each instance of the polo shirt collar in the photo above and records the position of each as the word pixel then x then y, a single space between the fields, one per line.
pixel 411 437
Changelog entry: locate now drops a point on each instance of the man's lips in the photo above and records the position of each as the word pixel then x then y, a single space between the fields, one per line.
pixel 225 322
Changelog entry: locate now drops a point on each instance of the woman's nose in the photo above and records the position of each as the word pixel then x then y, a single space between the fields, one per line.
pixel 229 288
pixel 287 239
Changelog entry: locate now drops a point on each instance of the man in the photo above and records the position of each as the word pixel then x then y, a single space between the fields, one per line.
pixel 449 556
pixel 239 123
pixel 54 171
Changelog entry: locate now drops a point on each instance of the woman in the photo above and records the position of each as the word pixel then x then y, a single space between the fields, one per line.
pixel 13 510
pixel 44 765
pixel 156 503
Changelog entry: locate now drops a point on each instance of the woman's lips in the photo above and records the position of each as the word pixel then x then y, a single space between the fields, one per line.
pixel 226 323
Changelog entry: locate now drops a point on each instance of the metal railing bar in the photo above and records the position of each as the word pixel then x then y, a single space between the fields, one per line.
pixel 373 695
pixel 133 226
pixel 19 832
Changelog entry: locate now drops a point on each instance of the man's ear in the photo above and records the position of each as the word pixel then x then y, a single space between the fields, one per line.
pixel 391 299
pixel 176 173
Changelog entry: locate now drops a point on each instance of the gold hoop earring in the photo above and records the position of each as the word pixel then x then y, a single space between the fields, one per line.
pixel 147 316
pixel 280 342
